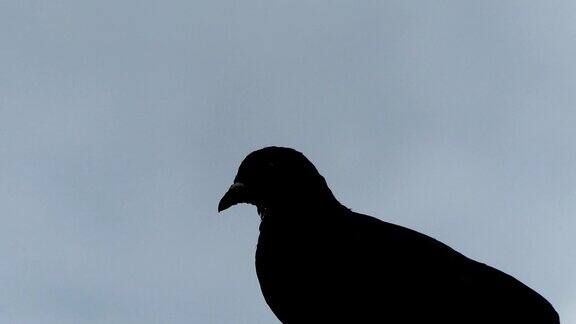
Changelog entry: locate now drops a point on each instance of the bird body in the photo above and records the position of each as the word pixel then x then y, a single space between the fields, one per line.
pixel 319 262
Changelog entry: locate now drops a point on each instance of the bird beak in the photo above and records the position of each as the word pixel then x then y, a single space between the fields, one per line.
pixel 235 195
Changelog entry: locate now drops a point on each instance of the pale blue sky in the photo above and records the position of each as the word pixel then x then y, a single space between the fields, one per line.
pixel 123 122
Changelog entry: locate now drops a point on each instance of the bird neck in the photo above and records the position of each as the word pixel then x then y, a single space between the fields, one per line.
pixel 303 215
pixel 301 203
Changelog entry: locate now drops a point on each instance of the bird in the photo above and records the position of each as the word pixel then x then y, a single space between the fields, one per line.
pixel 317 261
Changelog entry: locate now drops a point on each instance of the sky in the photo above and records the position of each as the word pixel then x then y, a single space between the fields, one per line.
pixel 123 122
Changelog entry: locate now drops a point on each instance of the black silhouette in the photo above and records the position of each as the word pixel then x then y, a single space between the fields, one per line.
pixel 319 262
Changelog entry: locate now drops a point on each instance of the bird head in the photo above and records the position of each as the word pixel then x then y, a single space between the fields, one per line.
pixel 276 178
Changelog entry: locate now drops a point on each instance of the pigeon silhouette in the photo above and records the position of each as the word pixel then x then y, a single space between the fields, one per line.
pixel 319 262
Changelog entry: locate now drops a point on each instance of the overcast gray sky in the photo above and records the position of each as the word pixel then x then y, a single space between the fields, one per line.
pixel 123 122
